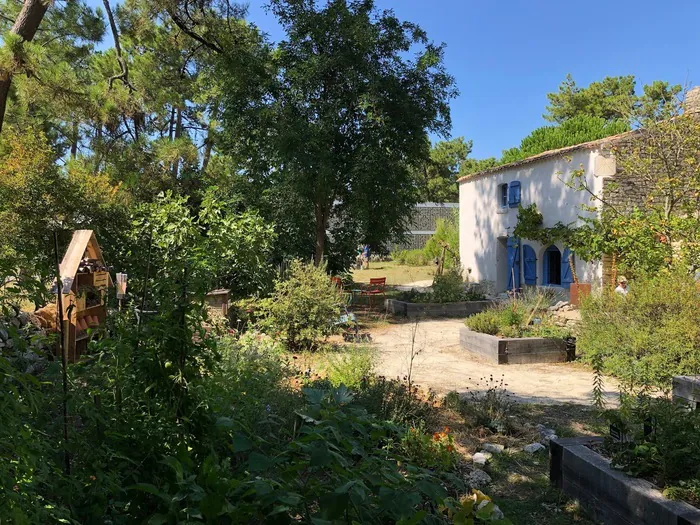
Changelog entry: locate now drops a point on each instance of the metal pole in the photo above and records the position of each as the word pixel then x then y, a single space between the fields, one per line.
pixel 64 363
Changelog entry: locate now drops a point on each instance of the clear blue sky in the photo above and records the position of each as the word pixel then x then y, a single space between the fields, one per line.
pixel 506 55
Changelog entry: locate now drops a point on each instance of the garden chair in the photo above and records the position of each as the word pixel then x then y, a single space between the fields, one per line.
pixel 375 288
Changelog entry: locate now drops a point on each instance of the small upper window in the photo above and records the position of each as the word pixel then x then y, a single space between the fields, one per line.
pixel 503 195
pixel 514 195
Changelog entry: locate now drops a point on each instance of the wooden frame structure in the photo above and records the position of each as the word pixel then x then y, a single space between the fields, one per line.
pixel 85 282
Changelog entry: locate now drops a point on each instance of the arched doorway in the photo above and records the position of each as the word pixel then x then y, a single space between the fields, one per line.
pixel 551 270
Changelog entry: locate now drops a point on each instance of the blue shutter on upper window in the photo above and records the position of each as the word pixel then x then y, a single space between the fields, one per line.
pixel 514 194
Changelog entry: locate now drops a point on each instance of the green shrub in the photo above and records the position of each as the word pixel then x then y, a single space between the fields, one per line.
pixel 446 231
pixel 448 287
pixel 434 451
pixel 508 319
pixel 349 366
pixel 395 400
pixel 648 336
pixel 303 307
pixel 663 444
pixel 410 257
pixel 484 322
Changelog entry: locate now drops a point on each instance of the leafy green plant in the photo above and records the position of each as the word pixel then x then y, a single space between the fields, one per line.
pixel 302 308
pixel 448 287
pixel 410 257
pixel 349 366
pixel 648 336
pixel 663 443
pixel 434 451
pixel 446 232
pixel 484 322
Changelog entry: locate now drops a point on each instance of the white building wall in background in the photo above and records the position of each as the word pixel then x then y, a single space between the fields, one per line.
pixel 484 224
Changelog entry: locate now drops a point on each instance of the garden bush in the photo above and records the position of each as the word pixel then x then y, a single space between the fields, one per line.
pixel 663 444
pixel 446 231
pixel 508 319
pixel 303 308
pixel 410 257
pixel 648 336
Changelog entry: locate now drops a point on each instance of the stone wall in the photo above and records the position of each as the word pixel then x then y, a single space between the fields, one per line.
pixel 424 223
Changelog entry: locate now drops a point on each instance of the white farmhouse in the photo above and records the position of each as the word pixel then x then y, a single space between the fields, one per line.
pixel 488 213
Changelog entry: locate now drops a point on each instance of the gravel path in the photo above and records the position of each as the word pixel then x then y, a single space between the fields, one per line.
pixel 442 366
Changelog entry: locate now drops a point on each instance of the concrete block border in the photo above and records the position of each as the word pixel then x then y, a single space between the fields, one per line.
pixel 514 351
pixel 428 310
pixel 611 496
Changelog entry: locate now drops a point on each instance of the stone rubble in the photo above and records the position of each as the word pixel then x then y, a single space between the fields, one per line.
pixel 478 479
pixel 481 458
pixel 493 448
pixel 533 448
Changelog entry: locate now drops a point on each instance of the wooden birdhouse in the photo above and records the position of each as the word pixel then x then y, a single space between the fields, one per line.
pixel 85 281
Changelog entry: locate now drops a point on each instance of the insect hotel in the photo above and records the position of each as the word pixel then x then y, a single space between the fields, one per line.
pixel 85 281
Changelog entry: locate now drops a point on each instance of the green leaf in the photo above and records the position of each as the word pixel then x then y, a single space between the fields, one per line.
pixel 211 505
pixel 258 462
pixel 320 456
pixel 241 443
pixel 413 520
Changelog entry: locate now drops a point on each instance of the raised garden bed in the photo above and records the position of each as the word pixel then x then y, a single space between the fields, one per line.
pixel 414 310
pixel 514 350
pixel 609 495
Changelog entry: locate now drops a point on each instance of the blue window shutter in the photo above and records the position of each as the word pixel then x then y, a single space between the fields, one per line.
pixel 514 194
pixel 529 265
pixel 513 249
pixel 566 276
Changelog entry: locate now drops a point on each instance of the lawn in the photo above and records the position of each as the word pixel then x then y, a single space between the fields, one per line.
pixel 396 274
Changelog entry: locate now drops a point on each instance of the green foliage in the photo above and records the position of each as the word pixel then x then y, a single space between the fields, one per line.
pixel 438 176
pixel 433 451
pixel 486 322
pixel 648 336
pixel 410 257
pixel 395 400
pixel 349 367
pixel 446 231
pixel 448 287
pixel 664 444
pixel 577 130
pixel 610 99
pixel 325 138
pixel 303 308
pixel 508 319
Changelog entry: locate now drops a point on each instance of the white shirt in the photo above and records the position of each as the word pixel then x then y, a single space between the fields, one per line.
pixel 621 290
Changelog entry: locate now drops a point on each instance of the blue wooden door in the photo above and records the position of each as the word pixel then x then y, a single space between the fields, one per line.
pixel 513 248
pixel 529 265
pixel 566 275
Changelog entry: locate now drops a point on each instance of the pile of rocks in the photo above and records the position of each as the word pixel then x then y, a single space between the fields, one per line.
pixel 565 314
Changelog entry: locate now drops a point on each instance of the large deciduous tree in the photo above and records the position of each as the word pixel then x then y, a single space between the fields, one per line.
pixel 345 120
pixel 438 176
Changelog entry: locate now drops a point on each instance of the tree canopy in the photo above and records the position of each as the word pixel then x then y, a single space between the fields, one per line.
pixel 611 99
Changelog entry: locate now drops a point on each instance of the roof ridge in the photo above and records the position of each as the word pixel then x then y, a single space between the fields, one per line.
pixel 546 154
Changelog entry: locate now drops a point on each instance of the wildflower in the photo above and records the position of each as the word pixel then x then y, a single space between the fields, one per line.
pixel 447 430
pixel 268 409
pixel 92 478
pixel 450 448
pixel 436 436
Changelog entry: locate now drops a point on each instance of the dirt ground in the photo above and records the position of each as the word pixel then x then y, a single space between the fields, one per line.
pixel 442 366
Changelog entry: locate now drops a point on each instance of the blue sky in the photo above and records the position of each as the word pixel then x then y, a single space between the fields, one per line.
pixel 506 55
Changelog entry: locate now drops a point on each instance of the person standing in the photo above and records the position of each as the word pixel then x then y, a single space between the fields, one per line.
pixel 622 286
pixel 365 256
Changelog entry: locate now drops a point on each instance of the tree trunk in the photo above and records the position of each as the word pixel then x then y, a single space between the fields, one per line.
pixel 25 26
pixel 321 224
pixel 178 134
pixel 74 141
